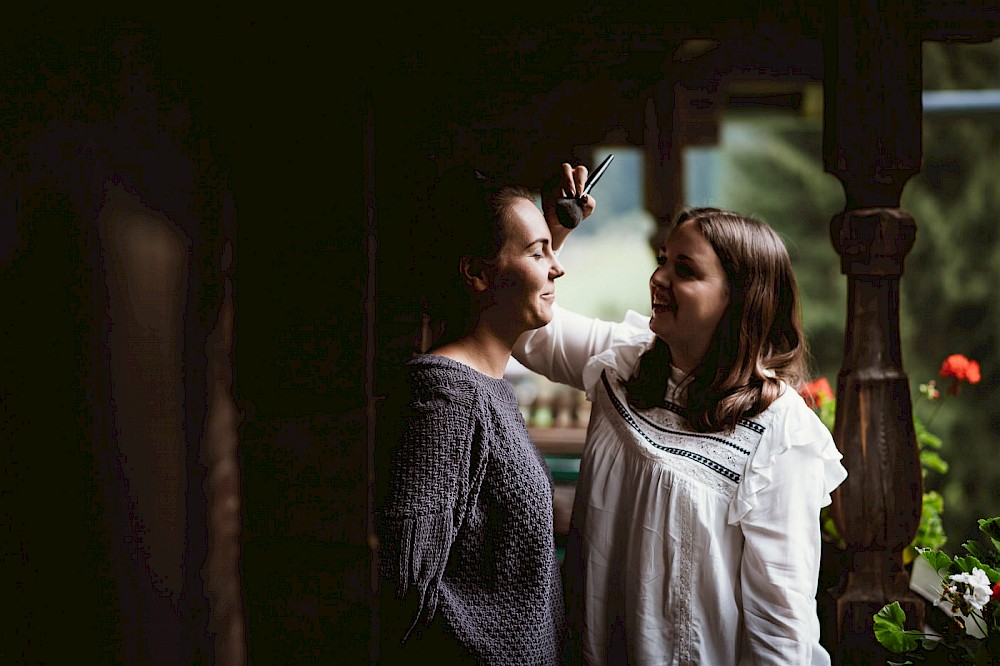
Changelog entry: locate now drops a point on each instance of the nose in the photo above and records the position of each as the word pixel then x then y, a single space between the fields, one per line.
pixel 660 278
pixel 557 269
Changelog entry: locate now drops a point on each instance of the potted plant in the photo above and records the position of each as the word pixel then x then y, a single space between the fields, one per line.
pixel 968 591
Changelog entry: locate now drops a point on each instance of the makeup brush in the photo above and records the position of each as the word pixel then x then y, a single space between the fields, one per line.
pixel 569 210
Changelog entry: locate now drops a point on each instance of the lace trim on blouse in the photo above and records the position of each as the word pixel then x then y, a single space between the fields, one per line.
pixel 717 460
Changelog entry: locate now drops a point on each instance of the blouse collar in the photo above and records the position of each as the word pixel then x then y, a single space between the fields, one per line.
pixel 677 385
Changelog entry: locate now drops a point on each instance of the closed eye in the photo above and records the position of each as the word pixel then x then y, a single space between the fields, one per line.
pixel 683 270
pixel 537 247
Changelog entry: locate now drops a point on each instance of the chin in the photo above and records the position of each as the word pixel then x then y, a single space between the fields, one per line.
pixel 656 324
pixel 542 319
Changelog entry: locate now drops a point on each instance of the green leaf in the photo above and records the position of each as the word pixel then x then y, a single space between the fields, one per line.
pixel 933 501
pixel 990 527
pixel 976 550
pixel 967 564
pixel 889 630
pixel 928 440
pixel 931 460
pixel 930 531
pixel 936 559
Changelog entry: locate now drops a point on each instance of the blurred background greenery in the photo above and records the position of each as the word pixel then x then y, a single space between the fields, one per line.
pixel 769 163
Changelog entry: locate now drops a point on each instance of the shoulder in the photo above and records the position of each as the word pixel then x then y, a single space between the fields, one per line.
pixel 434 410
pixel 632 339
pixel 429 376
pixel 792 433
pixel 440 383
pixel 790 412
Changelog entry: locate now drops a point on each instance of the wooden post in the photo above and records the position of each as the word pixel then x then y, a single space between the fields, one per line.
pixel 676 117
pixel 872 145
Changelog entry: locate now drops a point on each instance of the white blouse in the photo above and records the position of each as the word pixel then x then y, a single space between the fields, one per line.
pixel 685 547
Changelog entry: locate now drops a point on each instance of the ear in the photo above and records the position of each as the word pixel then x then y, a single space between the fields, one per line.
pixel 474 273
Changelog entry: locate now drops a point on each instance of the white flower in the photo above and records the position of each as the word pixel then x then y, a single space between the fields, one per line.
pixel 978 587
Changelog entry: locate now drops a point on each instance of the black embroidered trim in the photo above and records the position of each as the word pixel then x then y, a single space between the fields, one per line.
pixel 720 440
pixel 625 414
pixel 746 423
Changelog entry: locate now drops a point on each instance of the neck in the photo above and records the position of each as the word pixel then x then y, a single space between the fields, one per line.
pixel 481 350
pixel 684 359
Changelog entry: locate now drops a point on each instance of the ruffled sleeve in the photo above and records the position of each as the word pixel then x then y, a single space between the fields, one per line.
pixel 787 482
pixel 794 426
pixel 562 349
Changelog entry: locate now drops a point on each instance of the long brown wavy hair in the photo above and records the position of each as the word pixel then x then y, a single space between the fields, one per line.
pixel 758 341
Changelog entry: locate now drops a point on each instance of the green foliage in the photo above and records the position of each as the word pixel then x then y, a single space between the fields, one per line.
pixel 955 201
pixel 929 444
pixel 930 532
pixel 937 559
pixel 991 528
pixel 956 645
pixel 827 413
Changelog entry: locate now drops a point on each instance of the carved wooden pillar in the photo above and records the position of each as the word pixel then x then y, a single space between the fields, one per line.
pixel 872 144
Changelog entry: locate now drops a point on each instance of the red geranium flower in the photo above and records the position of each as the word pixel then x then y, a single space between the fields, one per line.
pixel 996 592
pixel 960 369
pixel 817 393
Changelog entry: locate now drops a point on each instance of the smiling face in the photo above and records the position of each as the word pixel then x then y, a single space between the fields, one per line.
pixel 522 276
pixel 689 293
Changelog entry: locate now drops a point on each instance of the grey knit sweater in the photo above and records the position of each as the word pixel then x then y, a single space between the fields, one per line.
pixel 465 526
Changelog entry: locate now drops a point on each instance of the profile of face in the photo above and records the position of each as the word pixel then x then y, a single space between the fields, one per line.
pixel 519 282
pixel 689 293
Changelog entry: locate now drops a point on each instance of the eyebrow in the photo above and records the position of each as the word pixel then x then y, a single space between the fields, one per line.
pixel 543 241
pixel 663 250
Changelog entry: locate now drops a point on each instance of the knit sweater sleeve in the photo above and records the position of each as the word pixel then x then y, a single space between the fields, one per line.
pixel 424 502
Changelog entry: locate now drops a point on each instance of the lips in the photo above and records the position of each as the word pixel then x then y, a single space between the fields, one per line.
pixel 662 303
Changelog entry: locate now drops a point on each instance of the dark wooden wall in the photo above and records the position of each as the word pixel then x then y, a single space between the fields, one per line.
pixel 243 133
pixel 321 133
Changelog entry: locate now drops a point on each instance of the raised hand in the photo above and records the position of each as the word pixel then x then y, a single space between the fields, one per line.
pixel 563 203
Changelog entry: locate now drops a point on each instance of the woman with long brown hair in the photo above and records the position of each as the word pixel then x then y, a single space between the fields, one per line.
pixel 695 535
